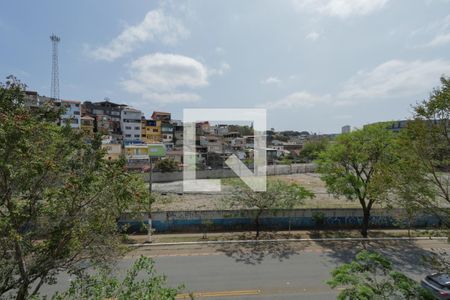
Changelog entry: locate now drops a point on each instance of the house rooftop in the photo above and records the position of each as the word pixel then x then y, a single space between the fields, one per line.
pixel 106 104
pixel 161 113
pixel 128 108
pixel 71 101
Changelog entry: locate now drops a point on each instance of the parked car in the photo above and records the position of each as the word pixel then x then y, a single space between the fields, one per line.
pixel 438 284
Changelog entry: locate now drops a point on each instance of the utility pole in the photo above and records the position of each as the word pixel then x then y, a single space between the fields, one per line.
pixel 54 93
pixel 154 150
pixel 149 215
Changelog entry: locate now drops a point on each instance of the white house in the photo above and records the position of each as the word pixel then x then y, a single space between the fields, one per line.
pixel 72 113
pixel 130 122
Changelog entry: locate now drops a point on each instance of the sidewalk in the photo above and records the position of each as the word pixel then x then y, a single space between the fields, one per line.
pixel 281 235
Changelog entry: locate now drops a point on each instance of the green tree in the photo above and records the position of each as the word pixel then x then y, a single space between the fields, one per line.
pixel 280 137
pixel 242 129
pixel 166 165
pixel 409 189
pixel 286 161
pixel 103 285
pixel 206 226
pixel 214 160
pixel 279 194
pixel 312 149
pixel 59 199
pixel 428 138
pixel 371 276
pixel 355 167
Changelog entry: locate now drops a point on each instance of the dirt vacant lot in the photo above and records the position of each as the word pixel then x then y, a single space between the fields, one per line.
pixel 172 197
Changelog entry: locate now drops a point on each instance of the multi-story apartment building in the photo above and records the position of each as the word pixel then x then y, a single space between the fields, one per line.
pixel 220 129
pixel 203 127
pixel 104 125
pixel 72 109
pixel 176 122
pixel 107 117
pixel 72 113
pixel 178 134
pixel 164 117
pixel 346 129
pixel 151 131
pixel 228 138
pixel 166 133
pixel 214 144
pixel 87 125
pixel 131 123
pixel 249 141
pixel 238 143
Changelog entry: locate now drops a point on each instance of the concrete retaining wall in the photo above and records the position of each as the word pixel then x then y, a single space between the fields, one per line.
pixel 234 220
pixel 226 173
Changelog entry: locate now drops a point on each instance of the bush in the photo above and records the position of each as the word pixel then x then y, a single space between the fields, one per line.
pixel 166 165
pixel 319 218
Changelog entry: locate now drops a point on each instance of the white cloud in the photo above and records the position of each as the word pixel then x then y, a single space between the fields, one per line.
pixel 301 99
pixel 312 36
pixel 439 40
pixel 222 69
pixel 439 29
pixel 156 26
pixel 395 78
pixel 271 80
pixel 339 8
pixel 392 79
pixel 166 78
pixel 440 26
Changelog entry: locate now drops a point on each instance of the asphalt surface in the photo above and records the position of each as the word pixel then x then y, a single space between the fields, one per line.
pixel 269 271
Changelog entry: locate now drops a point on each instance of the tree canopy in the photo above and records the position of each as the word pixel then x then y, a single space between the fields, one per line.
pixel 429 139
pixel 422 172
pixel 141 282
pixel 59 198
pixel 354 167
pixel 279 194
pixel 312 149
pixel 166 165
pixel 372 276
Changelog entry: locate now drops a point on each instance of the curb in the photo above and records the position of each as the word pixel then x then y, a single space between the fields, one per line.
pixel 288 240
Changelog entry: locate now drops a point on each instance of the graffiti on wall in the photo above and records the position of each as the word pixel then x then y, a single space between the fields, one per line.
pixel 193 221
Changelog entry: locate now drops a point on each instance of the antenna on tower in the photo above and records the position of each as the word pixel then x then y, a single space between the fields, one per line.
pixel 55 72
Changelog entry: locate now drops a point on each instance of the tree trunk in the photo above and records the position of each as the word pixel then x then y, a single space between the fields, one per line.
pixel 365 224
pixel 22 293
pixel 257 225
pixel 289 226
pixel 409 227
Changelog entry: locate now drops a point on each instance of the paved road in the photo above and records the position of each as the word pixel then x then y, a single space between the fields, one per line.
pixel 271 271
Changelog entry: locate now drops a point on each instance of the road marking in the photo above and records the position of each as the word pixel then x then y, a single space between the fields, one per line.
pixel 219 294
pixel 217 253
pixel 184 254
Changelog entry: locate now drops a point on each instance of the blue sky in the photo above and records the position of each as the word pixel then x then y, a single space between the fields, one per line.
pixel 316 65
